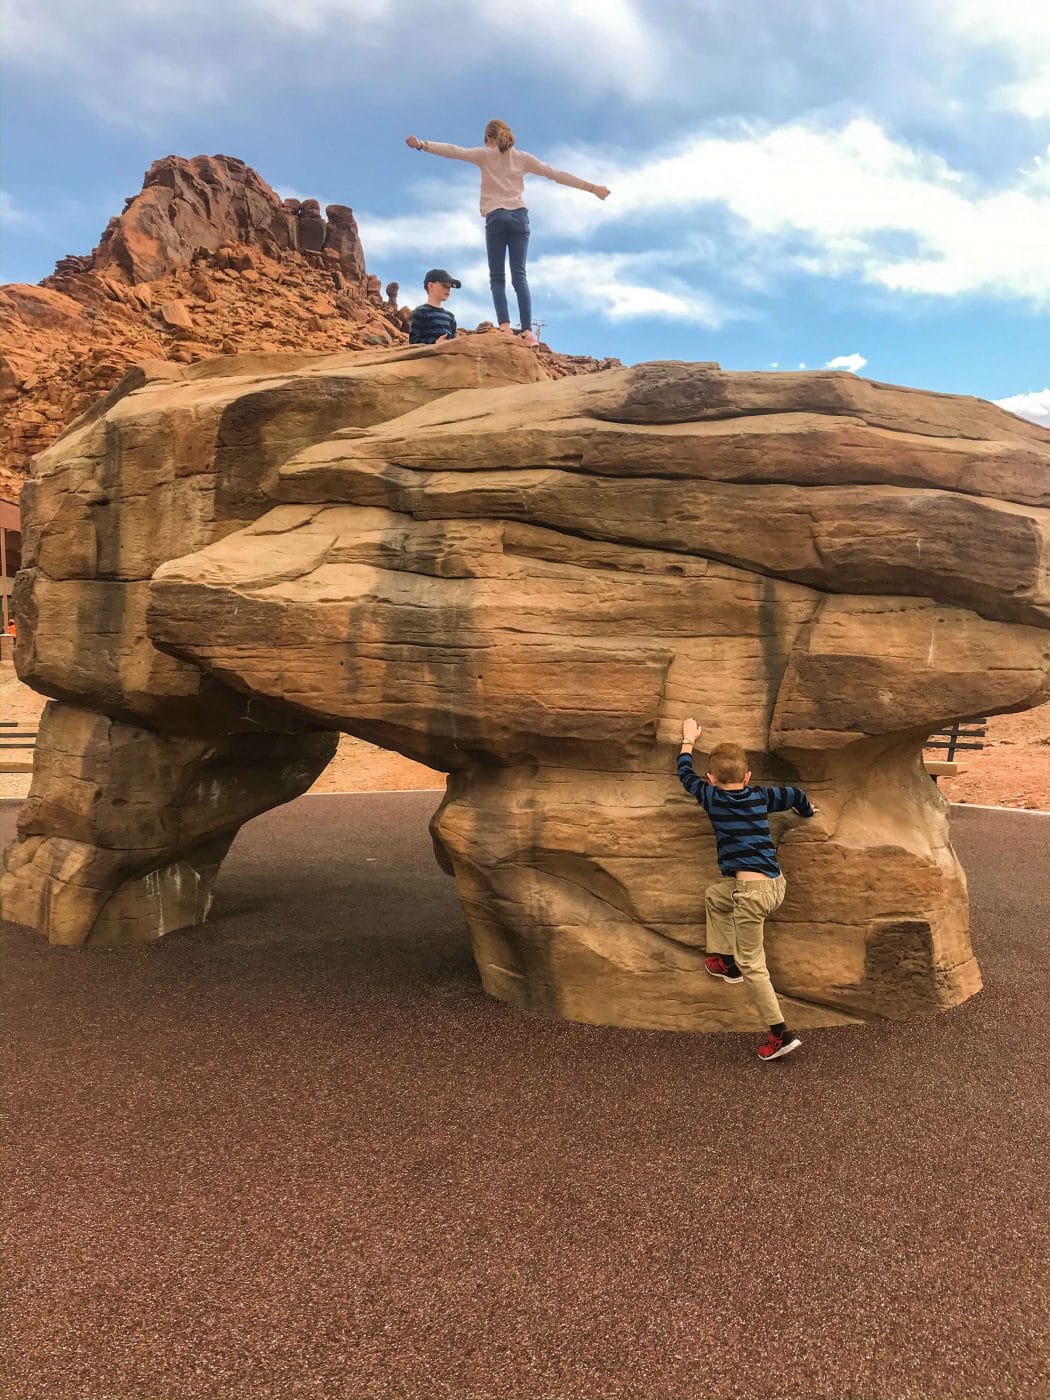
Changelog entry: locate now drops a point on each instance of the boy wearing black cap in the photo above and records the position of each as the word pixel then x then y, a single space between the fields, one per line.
pixel 431 323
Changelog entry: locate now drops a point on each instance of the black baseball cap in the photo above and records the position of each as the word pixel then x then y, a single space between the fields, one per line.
pixel 438 274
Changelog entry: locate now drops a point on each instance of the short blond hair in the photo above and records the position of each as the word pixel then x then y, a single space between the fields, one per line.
pixel 728 763
pixel 501 133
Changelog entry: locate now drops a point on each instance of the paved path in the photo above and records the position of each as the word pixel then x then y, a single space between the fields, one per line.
pixel 299 1154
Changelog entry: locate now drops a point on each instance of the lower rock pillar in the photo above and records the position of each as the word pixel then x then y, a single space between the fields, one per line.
pixel 583 893
pixel 124 830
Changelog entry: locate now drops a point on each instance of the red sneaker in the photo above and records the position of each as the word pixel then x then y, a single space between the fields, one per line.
pixel 718 967
pixel 776 1045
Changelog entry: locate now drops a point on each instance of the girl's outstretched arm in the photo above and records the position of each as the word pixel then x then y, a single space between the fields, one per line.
pixel 442 148
pixel 562 177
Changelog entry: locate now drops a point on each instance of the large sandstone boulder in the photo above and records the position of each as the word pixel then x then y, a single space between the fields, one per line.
pixel 175 457
pixel 528 586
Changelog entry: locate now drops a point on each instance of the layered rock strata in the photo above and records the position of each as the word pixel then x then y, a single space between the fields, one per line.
pixel 176 457
pixel 528 586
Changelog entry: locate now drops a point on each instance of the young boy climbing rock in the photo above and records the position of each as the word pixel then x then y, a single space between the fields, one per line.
pixel 753 885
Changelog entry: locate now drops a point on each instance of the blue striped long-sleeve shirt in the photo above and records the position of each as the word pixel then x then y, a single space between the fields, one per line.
pixel 429 323
pixel 742 837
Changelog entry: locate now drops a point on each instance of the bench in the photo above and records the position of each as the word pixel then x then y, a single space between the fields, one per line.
pixel 16 737
pixel 968 734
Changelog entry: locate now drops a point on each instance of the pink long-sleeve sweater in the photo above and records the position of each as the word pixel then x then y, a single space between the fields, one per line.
pixel 503 173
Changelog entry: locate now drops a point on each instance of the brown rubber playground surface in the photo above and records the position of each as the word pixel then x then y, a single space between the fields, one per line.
pixel 299 1155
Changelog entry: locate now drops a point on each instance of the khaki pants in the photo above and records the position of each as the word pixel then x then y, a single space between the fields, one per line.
pixel 736 918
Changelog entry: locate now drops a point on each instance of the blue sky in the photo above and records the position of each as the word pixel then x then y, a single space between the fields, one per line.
pixel 792 184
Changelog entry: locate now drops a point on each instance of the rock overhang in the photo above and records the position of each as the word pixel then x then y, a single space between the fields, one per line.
pixel 529 585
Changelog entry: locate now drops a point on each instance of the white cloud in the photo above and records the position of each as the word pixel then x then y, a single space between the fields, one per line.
pixel 852 202
pixel 1019 33
pixel 448 230
pixel 167 52
pixel 318 16
pixel 851 362
pixel 159 48
pixel 13 215
pixel 848 199
pixel 1034 406
pixel 1031 97
pixel 602 42
pixel 925 58
pixel 642 50
pixel 615 285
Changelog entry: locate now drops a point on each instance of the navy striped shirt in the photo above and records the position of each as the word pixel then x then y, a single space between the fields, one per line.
pixel 742 836
pixel 429 323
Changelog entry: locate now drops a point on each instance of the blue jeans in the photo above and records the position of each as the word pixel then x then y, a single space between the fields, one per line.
pixel 507 231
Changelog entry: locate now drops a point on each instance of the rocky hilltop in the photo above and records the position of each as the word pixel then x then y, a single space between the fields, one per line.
pixel 189 207
pixel 528 584
pixel 206 260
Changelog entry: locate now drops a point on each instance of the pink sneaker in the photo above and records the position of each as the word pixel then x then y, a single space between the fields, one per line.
pixel 529 338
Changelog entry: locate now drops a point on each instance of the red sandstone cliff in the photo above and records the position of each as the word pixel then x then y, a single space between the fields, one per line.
pixel 188 208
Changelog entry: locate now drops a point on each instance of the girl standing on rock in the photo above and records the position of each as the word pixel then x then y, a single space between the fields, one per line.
pixel 503 170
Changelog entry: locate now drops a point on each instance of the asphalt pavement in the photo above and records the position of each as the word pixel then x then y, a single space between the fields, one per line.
pixel 298 1154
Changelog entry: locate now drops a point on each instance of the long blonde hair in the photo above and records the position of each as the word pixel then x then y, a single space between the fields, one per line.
pixel 501 133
